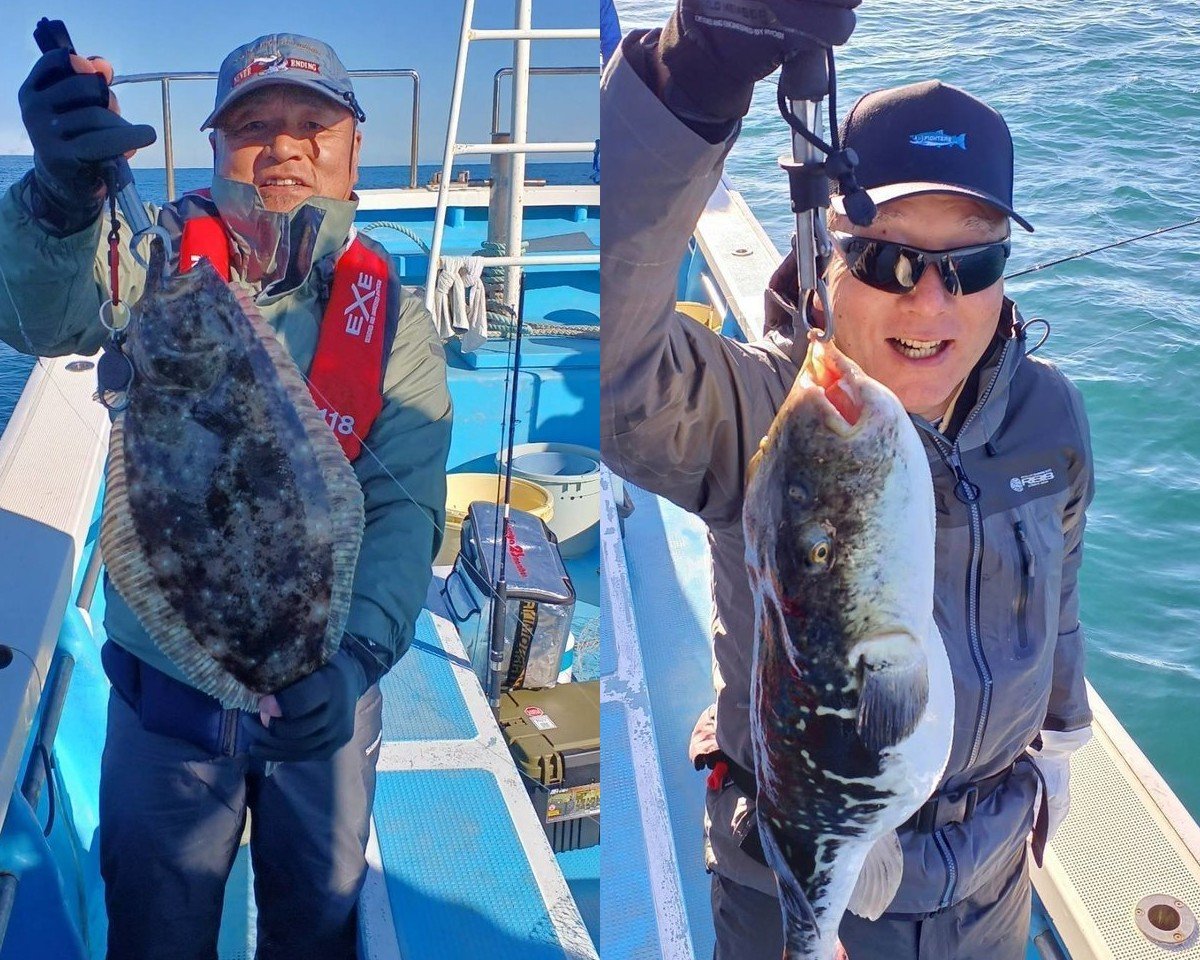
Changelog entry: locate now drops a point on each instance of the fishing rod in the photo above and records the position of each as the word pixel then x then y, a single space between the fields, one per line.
pixel 804 82
pixel 1107 246
pixel 500 593
pixel 1087 253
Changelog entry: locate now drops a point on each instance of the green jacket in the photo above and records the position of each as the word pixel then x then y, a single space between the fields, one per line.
pixel 56 286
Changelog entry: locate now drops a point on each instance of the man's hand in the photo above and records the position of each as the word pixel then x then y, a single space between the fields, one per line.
pixel 74 124
pixel 714 51
pixel 839 952
pixel 313 717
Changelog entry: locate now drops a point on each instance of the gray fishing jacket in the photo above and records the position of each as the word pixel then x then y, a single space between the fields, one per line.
pixel 682 412
pixel 55 285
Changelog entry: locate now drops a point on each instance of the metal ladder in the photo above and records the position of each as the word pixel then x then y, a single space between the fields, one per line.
pixel 522 34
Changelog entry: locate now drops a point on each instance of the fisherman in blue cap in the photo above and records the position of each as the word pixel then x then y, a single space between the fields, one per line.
pixel 179 772
pixel 917 300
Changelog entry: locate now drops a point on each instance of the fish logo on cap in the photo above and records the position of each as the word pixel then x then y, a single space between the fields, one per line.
pixel 938 138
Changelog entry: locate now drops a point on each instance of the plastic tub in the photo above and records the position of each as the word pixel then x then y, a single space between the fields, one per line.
pixel 463 489
pixel 572 475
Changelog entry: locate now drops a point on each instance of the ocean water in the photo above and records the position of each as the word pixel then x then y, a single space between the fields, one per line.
pixel 1103 100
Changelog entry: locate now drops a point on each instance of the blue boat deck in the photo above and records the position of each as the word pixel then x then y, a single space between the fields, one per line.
pixel 459 865
pixel 656 678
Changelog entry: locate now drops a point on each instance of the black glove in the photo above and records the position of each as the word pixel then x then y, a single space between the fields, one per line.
pixel 73 133
pixel 318 712
pixel 716 50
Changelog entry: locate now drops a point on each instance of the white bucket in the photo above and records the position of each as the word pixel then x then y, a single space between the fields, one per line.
pixel 572 475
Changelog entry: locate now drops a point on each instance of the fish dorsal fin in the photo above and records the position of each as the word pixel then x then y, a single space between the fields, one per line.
pixel 892 698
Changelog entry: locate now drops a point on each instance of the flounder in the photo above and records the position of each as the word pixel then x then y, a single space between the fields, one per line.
pixel 232 518
pixel 852 703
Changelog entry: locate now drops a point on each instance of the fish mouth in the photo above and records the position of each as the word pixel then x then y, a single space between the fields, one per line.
pixel 836 379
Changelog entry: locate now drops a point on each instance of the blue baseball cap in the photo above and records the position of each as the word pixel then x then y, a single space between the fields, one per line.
pixel 283 58
pixel 930 138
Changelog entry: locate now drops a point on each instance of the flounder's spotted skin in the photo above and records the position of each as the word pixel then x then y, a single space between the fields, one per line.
pixel 233 519
pixel 824 794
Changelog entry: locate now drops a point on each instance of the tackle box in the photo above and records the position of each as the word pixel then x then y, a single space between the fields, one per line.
pixel 541 597
pixel 554 738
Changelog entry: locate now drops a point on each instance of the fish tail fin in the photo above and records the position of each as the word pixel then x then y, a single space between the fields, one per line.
pixel 960 141
pixel 892 700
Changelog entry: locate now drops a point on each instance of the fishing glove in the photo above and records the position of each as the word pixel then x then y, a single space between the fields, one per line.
pixel 1051 752
pixel 73 133
pixel 318 711
pixel 716 50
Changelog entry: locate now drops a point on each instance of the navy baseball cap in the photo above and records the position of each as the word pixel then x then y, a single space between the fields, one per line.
pixel 930 137
pixel 283 58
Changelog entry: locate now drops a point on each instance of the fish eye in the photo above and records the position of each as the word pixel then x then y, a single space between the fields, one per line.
pixel 819 546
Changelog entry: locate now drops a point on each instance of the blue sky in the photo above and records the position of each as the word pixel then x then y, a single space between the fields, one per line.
pixel 140 36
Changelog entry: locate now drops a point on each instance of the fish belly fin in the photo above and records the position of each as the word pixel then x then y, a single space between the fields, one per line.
pixel 879 878
pixel 892 700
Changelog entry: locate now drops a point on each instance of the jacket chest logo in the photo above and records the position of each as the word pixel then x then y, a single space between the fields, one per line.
pixel 1037 479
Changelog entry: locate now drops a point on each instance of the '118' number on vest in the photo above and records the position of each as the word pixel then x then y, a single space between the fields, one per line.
pixel 338 422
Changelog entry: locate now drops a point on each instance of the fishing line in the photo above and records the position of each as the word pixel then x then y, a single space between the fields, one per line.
pixel 38 361
pixel 396 480
pixel 32 663
pixel 1120 333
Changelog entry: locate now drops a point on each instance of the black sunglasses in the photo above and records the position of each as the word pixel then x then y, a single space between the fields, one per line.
pixel 897 268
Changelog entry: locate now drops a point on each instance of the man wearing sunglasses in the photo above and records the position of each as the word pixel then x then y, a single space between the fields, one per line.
pixel 918 301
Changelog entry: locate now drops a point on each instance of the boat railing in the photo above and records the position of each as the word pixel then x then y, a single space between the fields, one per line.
pixel 165 80
pixel 533 72
pixel 49 513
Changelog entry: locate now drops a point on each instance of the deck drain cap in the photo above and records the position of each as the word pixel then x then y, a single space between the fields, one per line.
pixel 1164 919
